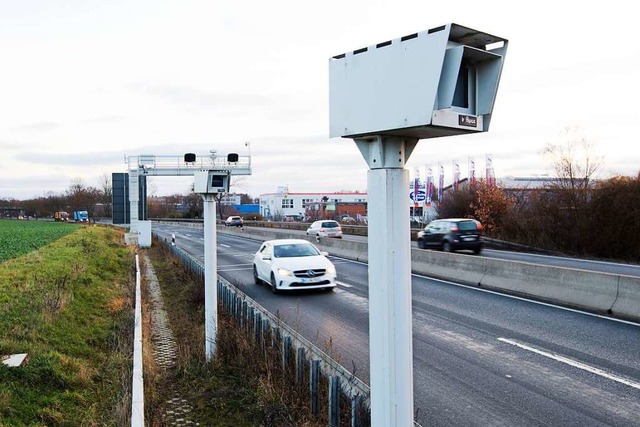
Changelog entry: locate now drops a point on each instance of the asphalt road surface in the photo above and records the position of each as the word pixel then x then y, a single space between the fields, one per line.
pixel 480 358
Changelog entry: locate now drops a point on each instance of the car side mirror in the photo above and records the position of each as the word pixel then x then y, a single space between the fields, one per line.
pixel 325 253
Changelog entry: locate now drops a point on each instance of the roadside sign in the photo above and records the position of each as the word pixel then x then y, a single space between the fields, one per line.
pixel 420 197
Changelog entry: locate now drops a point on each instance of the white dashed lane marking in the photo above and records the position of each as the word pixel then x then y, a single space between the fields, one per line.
pixel 573 363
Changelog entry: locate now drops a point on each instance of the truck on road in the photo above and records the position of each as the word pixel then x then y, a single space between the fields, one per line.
pixel 80 216
pixel 61 216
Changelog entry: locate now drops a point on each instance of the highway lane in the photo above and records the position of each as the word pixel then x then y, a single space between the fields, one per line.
pixel 479 358
pixel 556 261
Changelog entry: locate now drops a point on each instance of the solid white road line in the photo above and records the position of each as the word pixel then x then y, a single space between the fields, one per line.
pixel 343 284
pixel 235 265
pixel 573 363
pixel 573 310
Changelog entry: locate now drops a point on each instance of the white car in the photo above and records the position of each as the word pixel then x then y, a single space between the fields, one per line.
pixel 290 264
pixel 325 228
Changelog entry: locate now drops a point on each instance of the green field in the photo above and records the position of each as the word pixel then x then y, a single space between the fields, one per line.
pixel 67 305
pixel 20 237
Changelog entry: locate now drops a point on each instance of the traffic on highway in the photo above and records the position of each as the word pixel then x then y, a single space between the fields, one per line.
pixel 480 357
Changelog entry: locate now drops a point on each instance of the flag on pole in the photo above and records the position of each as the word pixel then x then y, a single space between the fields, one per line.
pixel 456 175
pixel 490 176
pixel 472 172
pixel 441 182
pixel 429 187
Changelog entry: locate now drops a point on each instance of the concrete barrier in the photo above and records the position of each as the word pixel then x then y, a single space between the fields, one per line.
pixel 578 288
pixel 627 304
pixel 591 291
pixel 460 268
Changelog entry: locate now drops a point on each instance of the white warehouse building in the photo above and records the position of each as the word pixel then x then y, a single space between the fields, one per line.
pixel 283 204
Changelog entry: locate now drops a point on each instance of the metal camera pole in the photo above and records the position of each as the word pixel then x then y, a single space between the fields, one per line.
pixel 390 327
pixel 435 83
pixel 210 275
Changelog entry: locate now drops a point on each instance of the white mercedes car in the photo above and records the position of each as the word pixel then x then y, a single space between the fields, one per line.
pixel 290 264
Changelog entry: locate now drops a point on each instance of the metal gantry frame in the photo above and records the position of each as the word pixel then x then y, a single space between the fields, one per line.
pixel 143 165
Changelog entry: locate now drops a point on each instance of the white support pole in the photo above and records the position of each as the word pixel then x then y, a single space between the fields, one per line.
pixel 210 276
pixel 390 337
pixel 390 327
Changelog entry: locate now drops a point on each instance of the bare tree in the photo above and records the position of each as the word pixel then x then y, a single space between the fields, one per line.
pixel 82 198
pixel 106 196
pixel 575 164
pixel 615 213
pixel 237 183
pixel 574 161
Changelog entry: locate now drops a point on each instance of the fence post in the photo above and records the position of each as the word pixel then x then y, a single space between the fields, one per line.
pixel 300 359
pixel 258 327
pixel 276 336
pixel 234 305
pixel 286 353
pixel 355 411
pixel 245 315
pixel 314 382
pixel 265 332
pixel 334 401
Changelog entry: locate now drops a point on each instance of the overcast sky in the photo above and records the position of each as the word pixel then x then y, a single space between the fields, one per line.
pixel 84 83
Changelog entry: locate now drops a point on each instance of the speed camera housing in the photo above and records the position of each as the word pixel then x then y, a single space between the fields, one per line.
pixel 211 182
pixel 434 83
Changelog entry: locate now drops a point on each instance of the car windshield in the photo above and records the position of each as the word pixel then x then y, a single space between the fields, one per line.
pixel 467 225
pixel 294 250
pixel 330 224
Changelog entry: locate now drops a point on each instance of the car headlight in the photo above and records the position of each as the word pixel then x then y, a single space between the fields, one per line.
pixel 331 270
pixel 284 272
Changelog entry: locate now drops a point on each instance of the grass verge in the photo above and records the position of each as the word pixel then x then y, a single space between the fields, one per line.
pixel 68 305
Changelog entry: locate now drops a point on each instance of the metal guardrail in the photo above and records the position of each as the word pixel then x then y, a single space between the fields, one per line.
pixel 310 361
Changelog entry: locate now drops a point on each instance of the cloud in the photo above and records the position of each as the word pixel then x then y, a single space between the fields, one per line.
pixel 259 110
pixel 195 97
pixel 32 186
pixel 111 119
pixel 70 159
pixel 37 127
pixel 6 145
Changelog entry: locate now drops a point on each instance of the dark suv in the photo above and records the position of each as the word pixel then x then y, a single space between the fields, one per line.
pixel 451 235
